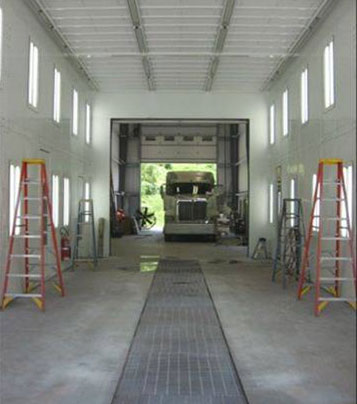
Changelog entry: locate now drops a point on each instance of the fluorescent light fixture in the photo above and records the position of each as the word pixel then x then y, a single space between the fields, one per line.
pixel 329 82
pixel 348 177
pixel 271 203
pixel 57 95
pixel 88 124
pixel 14 184
pixel 66 201
pixel 75 112
pixel 316 218
pixel 285 112
pixel 55 200
pixel 272 124
pixel 33 76
pixel 304 96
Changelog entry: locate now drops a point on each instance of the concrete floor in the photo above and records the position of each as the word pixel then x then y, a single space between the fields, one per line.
pixel 74 353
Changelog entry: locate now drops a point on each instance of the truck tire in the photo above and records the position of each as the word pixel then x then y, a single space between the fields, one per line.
pixel 167 237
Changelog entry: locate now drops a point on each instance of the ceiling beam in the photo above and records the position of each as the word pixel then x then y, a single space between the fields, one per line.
pixel 141 40
pixel 219 42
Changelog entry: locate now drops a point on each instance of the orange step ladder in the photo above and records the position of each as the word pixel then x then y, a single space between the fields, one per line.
pixel 337 248
pixel 32 223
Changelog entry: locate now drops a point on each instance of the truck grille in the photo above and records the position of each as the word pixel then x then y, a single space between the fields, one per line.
pixel 192 210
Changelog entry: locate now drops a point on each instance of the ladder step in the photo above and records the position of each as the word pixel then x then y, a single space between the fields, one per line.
pixel 336 259
pixel 30 217
pixel 24 275
pixel 331 199
pixel 30 198
pixel 31 295
pixel 332 182
pixel 31 182
pixel 28 236
pixel 336 238
pixel 335 299
pixel 336 279
pixel 328 217
pixel 25 256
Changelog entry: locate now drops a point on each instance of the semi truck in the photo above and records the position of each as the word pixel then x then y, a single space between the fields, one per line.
pixel 191 204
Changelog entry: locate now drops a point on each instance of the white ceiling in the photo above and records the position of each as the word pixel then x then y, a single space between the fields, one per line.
pixel 180 37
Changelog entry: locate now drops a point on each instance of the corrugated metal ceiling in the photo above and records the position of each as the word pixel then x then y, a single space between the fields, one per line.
pixel 181 41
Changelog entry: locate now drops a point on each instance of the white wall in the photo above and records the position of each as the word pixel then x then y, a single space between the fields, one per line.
pixel 329 133
pixel 23 131
pixel 185 106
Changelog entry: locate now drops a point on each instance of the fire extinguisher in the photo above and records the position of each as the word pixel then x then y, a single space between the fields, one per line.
pixel 65 244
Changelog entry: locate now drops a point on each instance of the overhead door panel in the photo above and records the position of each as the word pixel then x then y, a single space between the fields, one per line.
pixel 178 143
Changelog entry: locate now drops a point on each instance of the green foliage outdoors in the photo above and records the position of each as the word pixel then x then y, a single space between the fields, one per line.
pixel 153 175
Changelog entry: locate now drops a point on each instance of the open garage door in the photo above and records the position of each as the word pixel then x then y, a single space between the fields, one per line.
pixel 223 143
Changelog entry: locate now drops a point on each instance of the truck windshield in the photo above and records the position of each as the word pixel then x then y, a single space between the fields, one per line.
pixel 188 188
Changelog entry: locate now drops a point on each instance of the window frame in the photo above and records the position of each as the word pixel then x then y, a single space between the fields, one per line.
pixel 87 191
pixel 292 193
pixel 271 204
pixel 1 40
pixel 285 112
pixel 75 123
pixel 315 219
pixel 331 86
pixel 304 96
pixel 55 193
pixel 66 207
pixel 272 124
pixel 33 82
pixel 88 123
pixel 348 175
pixel 57 95
pixel 14 183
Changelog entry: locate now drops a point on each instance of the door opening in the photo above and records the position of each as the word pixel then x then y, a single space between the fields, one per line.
pixel 153 176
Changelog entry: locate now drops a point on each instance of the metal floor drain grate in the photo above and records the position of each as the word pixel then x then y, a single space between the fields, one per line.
pixel 179 353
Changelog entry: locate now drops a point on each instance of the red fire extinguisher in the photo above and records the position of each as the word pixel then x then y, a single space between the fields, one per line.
pixel 65 244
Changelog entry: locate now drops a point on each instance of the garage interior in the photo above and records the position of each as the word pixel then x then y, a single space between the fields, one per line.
pixel 238 283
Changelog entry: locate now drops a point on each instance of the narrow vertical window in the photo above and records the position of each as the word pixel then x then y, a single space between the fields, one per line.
pixel 329 82
pixel 33 76
pixel 348 178
pixel 285 113
pixel 14 183
pixel 75 110
pixel 55 200
pixel 1 24
pixel 66 201
pixel 87 195
pixel 272 124
pixel 304 96
pixel 292 203
pixel 57 96
pixel 271 203
pixel 88 124
pixel 279 197
pixel 316 218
